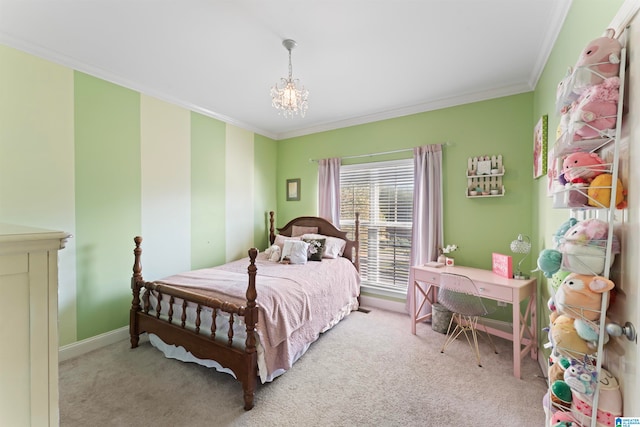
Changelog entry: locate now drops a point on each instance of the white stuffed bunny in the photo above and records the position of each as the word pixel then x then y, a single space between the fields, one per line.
pixel 273 252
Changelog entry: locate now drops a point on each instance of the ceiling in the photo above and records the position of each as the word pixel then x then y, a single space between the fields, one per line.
pixel 361 60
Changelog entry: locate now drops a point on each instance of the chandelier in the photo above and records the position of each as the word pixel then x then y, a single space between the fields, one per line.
pixel 290 98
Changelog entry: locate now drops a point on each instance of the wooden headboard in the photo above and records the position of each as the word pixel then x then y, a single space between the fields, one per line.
pixel 324 227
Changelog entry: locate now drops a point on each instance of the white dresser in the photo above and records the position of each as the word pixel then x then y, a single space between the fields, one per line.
pixel 29 325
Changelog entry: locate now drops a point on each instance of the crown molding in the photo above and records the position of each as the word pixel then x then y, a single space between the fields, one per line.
pixel 407 111
pixel 74 64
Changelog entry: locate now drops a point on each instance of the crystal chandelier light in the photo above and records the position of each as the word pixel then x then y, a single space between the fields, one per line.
pixel 290 98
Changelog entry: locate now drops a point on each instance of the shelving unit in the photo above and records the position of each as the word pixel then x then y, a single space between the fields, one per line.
pixel 484 177
pixel 576 198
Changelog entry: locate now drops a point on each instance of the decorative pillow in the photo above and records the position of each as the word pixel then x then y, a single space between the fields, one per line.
pixel 280 239
pixel 295 251
pixel 299 230
pixel 333 247
pixel 316 249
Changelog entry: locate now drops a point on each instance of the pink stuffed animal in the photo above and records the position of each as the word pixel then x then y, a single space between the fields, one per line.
pixel 599 60
pixel 582 167
pixel 594 113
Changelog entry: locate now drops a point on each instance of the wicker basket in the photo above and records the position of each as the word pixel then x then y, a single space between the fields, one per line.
pixel 440 318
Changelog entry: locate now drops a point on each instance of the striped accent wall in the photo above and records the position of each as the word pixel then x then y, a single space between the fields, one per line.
pixel 107 163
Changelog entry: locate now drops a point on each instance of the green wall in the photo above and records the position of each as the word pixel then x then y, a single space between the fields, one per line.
pixel 478 226
pixel 107 177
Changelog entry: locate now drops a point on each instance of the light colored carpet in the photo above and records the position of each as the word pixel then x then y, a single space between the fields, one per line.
pixel 368 370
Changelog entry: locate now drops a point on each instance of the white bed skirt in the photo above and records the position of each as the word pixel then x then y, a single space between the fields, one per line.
pixel 180 353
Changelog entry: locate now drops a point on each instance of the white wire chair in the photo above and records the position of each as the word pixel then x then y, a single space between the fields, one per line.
pixel 458 293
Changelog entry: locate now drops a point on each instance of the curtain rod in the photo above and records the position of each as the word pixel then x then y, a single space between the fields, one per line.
pixel 379 154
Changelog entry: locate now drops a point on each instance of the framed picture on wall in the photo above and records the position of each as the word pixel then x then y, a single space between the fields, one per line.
pixel 540 147
pixel 293 189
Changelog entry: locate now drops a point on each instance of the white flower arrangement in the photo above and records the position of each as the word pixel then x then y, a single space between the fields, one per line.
pixel 449 248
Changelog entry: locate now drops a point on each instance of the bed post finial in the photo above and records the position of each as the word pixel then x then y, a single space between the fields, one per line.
pixel 136 279
pixel 272 231
pixel 137 265
pixel 250 319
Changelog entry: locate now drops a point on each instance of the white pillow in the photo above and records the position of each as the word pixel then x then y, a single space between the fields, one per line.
pixel 333 247
pixel 296 251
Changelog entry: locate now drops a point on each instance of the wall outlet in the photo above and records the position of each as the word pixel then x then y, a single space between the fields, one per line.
pixel 502 304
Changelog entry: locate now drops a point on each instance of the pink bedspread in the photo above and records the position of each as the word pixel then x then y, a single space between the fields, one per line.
pixel 296 302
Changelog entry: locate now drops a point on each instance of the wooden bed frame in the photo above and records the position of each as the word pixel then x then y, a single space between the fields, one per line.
pixel 209 344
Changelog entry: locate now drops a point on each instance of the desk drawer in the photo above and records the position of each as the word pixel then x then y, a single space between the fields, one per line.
pixel 485 290
pixel 494 292
pixel 426 276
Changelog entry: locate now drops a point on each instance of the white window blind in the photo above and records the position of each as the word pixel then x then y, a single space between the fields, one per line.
pixel 383 195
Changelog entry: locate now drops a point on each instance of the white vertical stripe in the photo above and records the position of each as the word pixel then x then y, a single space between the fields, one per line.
pixel 37 163
pixel 239 166
pixel 166 187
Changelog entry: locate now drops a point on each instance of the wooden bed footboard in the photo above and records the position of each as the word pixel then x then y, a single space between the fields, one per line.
pixel 172 329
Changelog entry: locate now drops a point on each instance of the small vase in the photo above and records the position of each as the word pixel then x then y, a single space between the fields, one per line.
pixel 442 259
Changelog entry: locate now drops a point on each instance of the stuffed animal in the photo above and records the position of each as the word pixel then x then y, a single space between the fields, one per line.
pixel 590 332
pixel 549 261
pixel 565 340
pixel 581 377
pixel 584 245
pixel 564 92
pixel 576 195
pixel 561 394
pixel 563 419
pixel 557 278
pixel 599 60
pixel 557 369
pixel 580 296
pixel 594 114
pixel 609 402
pixel 599 192
pixel 273 252
pixel 582 167
pixel 562 230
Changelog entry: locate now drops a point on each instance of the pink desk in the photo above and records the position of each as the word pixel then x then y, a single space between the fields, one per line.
pixel 424 282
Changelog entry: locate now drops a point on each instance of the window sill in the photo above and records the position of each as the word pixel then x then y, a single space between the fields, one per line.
pixel 382 292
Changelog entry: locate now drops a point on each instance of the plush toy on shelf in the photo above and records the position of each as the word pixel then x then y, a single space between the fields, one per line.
pixel 580 296
pixel 599 192
pixel 593 115
pixel 582 167
pixel 581 377
pixel 599 60
pixel 565 340
pixel 549 261
pixel 584 247
pixel 580 250
pixel 590 332
pixel 609 402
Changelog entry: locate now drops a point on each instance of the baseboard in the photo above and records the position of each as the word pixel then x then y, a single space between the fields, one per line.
pixel 370 303
pixel 79 348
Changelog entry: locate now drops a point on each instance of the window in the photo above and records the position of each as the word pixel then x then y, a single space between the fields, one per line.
pixel 383 195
